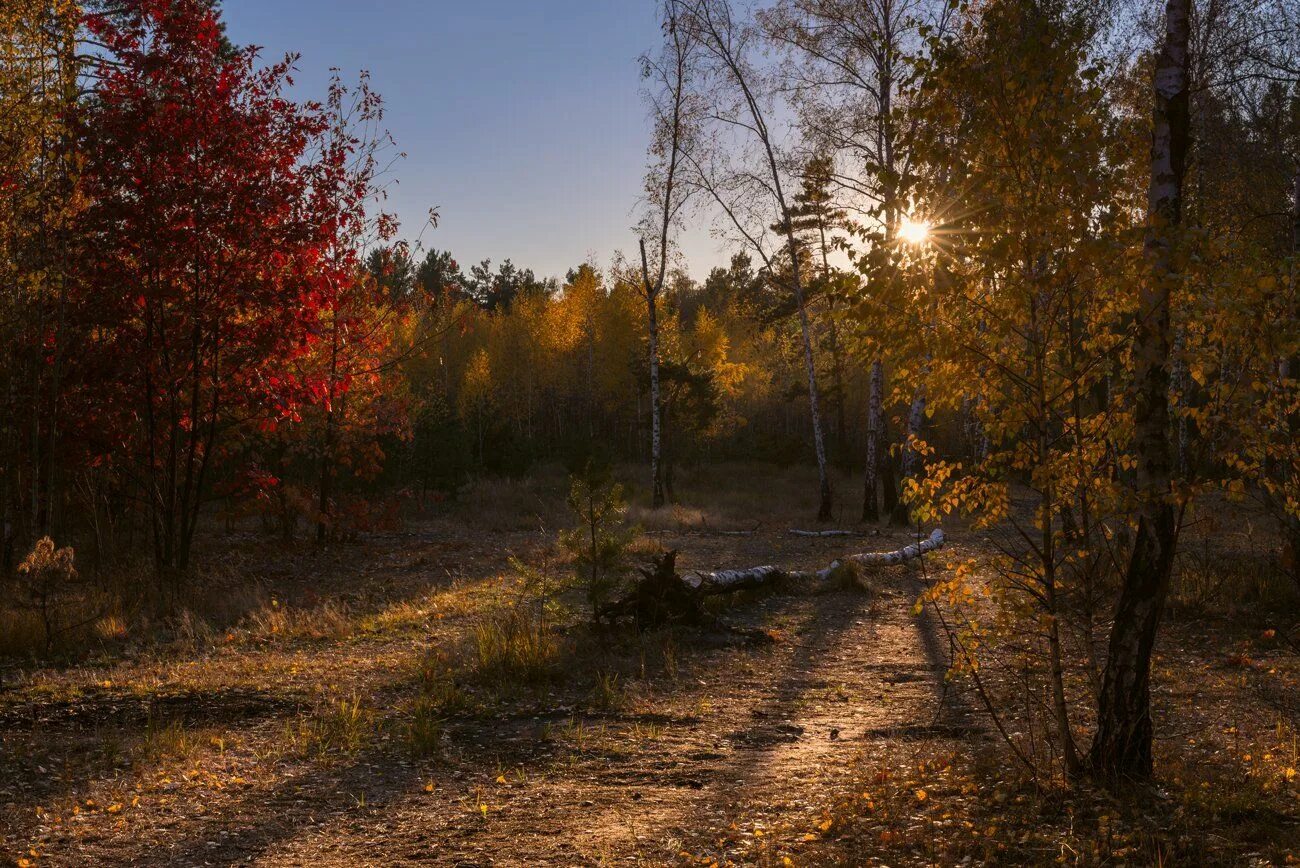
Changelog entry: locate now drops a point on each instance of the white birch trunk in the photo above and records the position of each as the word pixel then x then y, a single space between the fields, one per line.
pixel 656 431
pixel 819 442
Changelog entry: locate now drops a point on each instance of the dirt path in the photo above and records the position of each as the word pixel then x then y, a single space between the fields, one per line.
pixel 737 756
pixel 769 733
pixel 287 741
pixel 754 749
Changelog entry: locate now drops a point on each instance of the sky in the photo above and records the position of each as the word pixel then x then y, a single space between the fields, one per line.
pixel 521 120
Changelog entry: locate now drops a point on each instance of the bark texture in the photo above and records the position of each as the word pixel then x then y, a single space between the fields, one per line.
pixel 1121 747
pixel 656 419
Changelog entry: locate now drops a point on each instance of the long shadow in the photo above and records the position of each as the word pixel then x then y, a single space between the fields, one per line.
pixel 256 821
pixel 52 749
pixel 833 616
pixel 88 739
pixel 103 708
pixel 949 695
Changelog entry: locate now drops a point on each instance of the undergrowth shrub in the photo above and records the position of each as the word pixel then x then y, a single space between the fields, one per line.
pixel 1208 578
pixel 599 542
pixel 48 589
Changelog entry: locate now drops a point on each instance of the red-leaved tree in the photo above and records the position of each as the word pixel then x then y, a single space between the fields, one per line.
pixel 205 240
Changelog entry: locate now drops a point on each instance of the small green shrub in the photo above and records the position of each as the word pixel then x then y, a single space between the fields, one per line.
pixel 599 542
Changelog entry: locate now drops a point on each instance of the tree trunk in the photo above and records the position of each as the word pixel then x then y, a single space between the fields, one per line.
pixel 875 425
pixel 888 481
pixel 663 595
pixel 837 364
pixel 1295 210
pixel 1293 522
pixel 1122 745
pixel 911 458
pixel 825 506
pixel 656 435
pixel 326 493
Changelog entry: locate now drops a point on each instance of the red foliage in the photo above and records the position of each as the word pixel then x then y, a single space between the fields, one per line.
pixel 214 217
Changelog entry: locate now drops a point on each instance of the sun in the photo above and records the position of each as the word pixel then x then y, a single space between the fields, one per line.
pixel 914 231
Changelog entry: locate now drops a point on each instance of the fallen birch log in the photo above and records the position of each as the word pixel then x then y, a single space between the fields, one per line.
pixel 663 594
pixel 909 552
pixel 821 534
pixel 726 581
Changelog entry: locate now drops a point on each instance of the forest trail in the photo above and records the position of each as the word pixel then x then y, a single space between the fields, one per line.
pixel 758 751
pixel 288 737
pixel 739 749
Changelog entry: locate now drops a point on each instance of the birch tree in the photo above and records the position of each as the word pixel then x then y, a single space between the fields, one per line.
pixel 1026 314
pixel 1121 746
pixel 847 73
pixel 672 112
pixel 748 184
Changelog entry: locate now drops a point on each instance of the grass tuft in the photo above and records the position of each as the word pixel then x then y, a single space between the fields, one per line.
pixel 510 647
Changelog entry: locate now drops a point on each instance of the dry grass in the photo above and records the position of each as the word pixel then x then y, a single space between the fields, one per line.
pixel 21 634
pixel 510 647
pixel 329 620
pixel 438 646
pixel 426 731
pixel 338 725
pixel 608 694
pixel 167 740
pixel 740 496
pixel 502 505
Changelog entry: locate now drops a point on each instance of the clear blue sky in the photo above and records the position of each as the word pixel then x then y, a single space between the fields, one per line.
pixel 521 119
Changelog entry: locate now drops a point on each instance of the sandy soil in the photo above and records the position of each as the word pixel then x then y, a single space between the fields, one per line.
pixel 716 751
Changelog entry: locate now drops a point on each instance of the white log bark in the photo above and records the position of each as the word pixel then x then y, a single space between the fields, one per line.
pixel 822 533
pixel 705 532
pixel 727 581
pixel 907 553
